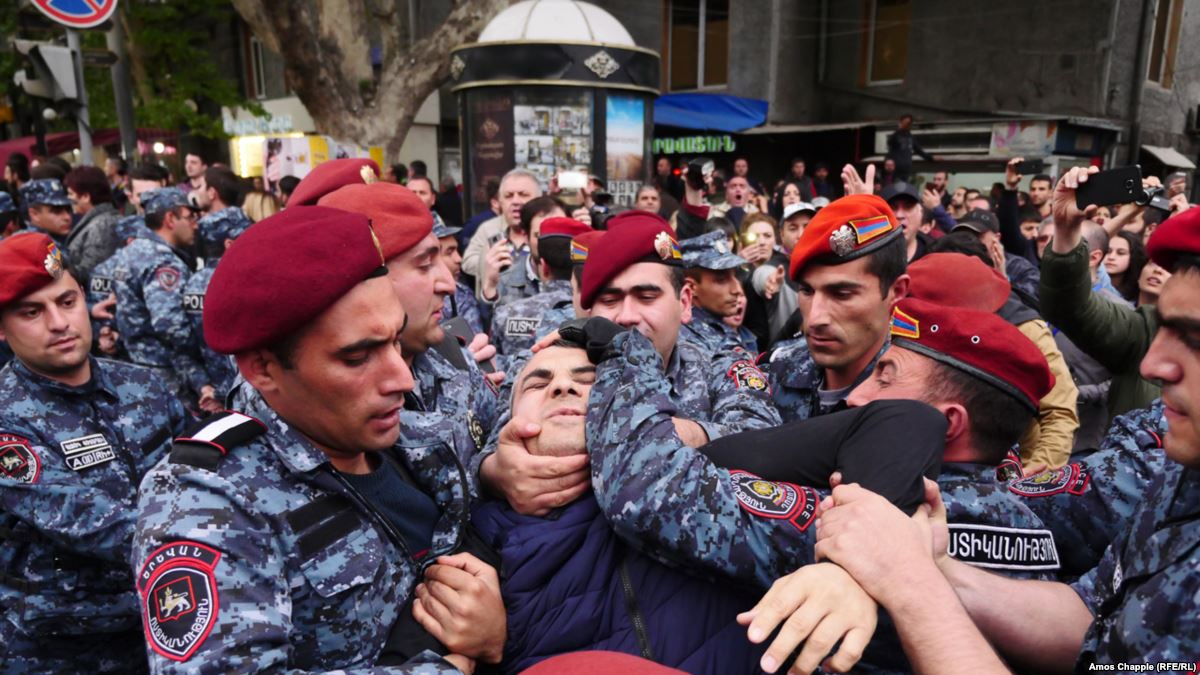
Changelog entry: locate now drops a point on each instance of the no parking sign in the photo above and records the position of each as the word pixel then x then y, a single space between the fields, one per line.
pixel 77 13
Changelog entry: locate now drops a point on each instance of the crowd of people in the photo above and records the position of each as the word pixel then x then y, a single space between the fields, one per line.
pixel 835 422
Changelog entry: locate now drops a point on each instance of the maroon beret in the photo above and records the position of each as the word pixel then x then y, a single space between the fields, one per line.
pixel 979 343
pixel 28 262
pixel 582 245
pixel 632 241
pixel 959 281
pixel 1177 236
pixel 561 227
pixel 848 228
pixel 284 272
pixel 331 175
pixel 399 217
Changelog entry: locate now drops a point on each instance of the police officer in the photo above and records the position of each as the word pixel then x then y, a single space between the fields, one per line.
pixel 149 278
pixel 849 266
pixel 712 275
pixel 462 302
pixel 76 436
pixel 100 288
pixel 8 215
pixel 216 231
pixel 290 535
pixel 516 324
pixel 48 207
pixel 522 279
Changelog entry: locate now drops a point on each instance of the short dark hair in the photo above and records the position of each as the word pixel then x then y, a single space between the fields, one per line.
pixel 121 164
pixel 888 263
pixel 1030 214
pixel 287 184
pixel 492 188
pixel 964 242
pixel 556 253
pixel 148 172
pixel 227 184
pixel 90 180
pixel 417 177
pixel 797 160
pixel 418 167
pixel 997 418
pixel 538 207
pixel 906 116
pixel 19 164
pixel 1043 178
pixel 1186 264
pixel 48 169
pixel 198 155
pixel 400 172
pixel 717 224
pixel 285 349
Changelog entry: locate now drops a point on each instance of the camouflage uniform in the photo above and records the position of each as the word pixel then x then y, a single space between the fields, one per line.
pixel 1087 503
pixel 796 379
pixel 213 229
pixel 709 331
pixel 518 281
pixel 711 252
pixel 283 563
pixel 1145 593
pixel 71 459
pixel 463 396
pixel 517 324
pixel 47 191
pixel 100 285
pixel 463 303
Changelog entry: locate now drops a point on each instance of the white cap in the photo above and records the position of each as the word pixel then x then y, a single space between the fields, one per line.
pixel 799 207
pixel 820 202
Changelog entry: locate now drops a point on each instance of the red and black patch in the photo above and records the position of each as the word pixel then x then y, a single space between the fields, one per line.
pixel 18 461
pixel 179 597
pixel 1010 469
pixel 168 277
pixel 746 374
pixel 1071 479
pixel 774 499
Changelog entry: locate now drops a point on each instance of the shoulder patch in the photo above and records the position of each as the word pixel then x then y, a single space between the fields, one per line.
pixel 775 500
pixel 1003 548
pixel 193 303
pixel 179 597
pixel 204 444
pixel 18 461
pixel 519 326
pixel 1071 479
pixel 746 374
pixel 100 285
pixel 167 277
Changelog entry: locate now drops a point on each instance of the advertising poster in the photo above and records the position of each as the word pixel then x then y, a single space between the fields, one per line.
pixel 625 146
pixel 552 132
pixel 490 125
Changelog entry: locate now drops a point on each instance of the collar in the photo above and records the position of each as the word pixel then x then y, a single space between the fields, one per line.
pixel 296 452
pixel 557 286
pixel 100 381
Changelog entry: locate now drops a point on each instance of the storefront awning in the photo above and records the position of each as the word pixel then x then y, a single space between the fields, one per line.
pixel 709 112
pixel 65 141
pixel 1169 156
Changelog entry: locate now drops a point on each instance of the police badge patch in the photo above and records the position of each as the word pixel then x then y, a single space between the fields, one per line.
pixel 746 374
pixel 1070 479
pixel 179 597
pixel 168 277
pixel 776 500
pixel 18 461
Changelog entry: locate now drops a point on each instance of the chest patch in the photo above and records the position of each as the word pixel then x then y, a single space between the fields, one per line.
pixel 101 285
pixel 521 326
pixel 1004 548
pixel 18 461
pixel 193 303
pixel 87 451
pixel 1070 479
pixel 776 500
pixel 167 277
pixel 179 598
pixel 746 374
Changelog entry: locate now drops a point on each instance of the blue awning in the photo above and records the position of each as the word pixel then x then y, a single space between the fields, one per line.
pixel 710 112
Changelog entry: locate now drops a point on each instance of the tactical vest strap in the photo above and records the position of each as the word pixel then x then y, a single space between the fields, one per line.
pixel 205 444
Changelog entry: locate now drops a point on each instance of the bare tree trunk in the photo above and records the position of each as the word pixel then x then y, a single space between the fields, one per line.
pixel 325 49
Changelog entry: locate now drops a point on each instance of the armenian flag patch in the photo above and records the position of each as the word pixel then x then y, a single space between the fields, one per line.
pixel 904 325
pixel 868 228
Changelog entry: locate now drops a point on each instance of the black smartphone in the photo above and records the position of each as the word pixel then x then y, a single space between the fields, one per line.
pixel 1031 167
pixel 1115 186
pixel 696 171
pixel 461 330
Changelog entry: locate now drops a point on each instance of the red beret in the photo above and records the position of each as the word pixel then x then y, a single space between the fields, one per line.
pixel 331 175
pixel 28 262
pixel 561 227
pixel 598 663
pixel 582 244
pixel 266 285
pixel 979 343
pixel 634 240
pixel 959 281
pixel 399 217
pixel 848 228
pixel 1177 236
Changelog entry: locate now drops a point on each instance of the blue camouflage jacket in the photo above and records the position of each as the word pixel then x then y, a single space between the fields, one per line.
pixel 251 553
pixel 463 303
pixel 71 459
pixel 149 279
pixel 463 396
pixel 796 379
pixel 516 324
pixel 709 331
pixel 219 368
pixel 518 281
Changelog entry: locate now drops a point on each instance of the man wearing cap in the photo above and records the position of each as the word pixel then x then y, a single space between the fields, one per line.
pixel 48 207
pixel 462 302
pixel 452 390
pixel 849 268
pixel 290 535
pixel 148 280
pixel 711 273
pixel 1139 606
pixel 516 324
pixel 1021 273
pixel 216 232
pixel 76 436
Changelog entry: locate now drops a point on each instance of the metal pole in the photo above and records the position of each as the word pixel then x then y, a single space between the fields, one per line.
pixel 115 40
pixel 85 127
pixel 1140 71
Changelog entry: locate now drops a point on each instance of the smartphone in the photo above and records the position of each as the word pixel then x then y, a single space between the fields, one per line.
pixel 572 180
pixel 1115 186
pixel 1032 167
pixel 462 333
pixel 698 169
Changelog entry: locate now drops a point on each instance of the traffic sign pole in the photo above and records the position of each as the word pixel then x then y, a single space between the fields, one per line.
pixel 81 116
pixel 121 90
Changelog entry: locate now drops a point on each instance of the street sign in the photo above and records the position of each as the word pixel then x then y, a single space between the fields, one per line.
pixel 77 13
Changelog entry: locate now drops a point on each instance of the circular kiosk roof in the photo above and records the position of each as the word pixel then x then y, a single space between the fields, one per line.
pixel 556 21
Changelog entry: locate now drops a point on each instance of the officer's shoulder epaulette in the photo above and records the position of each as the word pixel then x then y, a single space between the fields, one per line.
pixel 208 441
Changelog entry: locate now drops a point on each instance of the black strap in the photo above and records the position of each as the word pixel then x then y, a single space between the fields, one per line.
pixel 323 507
pixel 160 437
pixel 635 611
pixel 199 455
pixel 9 534
pixel 328 533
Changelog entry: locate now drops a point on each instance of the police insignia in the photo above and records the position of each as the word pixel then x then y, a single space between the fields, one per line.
pixel 100 285
pixel 772 499
pixel 518 326
pixel 18 461
pixel 87 451
pixel 168 277
pixel 746 374
pixel 666 247
pixel 842 240
pixel 179 597
pixel 1070 479
pixel 1004 548
pixel 193 303
pixel 475 429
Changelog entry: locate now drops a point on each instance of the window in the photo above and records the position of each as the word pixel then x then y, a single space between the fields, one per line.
pixel 697 44
pixel 887 40
pixel 258 83
pixel 1167 17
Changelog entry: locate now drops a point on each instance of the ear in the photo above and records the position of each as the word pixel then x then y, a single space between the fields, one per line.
pixel 259 366
pixel 959 421
pixel 543 269
pixel 685 301
pixel 899 289
pixel 228 243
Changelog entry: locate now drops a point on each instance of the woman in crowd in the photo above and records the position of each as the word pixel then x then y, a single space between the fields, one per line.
pixel 259 205
pixel 1124 262
pixel 1150 283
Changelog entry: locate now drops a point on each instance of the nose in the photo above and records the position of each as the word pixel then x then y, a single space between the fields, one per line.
pixel 628 316
pixel 818 312
pixel 443 281
pixel 1159 364
pixel 563 385
pixel 56 319
pixel 398 378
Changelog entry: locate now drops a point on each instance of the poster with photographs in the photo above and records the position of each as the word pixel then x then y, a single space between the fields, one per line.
pixel 553 132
